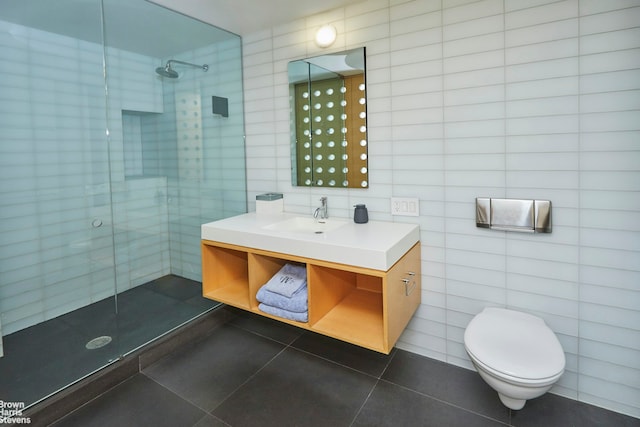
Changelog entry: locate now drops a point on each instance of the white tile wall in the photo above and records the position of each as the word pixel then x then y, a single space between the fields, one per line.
pixel 55 172
pixel 518 98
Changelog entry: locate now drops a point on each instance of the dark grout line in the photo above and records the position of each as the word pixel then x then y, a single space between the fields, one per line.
pixel 447 403
pixel 175 393
pixel 364 403
pixel 249 379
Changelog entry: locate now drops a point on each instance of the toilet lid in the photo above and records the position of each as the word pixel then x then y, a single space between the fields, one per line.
pixel 515 344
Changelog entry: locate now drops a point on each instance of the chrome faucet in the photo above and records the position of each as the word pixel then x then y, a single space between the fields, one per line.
pixel 323 211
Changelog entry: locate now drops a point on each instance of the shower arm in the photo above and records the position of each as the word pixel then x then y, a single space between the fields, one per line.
pixel 205 67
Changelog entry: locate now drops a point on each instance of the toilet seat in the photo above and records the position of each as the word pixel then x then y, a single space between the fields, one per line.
pixel 522 382
pixel 515 346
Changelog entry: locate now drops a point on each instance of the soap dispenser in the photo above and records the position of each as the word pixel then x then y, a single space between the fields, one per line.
pixel 360 214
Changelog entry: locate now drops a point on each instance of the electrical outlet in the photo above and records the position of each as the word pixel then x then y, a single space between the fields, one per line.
pixel 405 206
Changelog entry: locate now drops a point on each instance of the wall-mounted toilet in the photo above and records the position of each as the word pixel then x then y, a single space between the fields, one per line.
pixel 516 353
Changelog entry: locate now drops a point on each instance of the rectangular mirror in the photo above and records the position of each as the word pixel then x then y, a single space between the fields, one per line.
pixel 329 120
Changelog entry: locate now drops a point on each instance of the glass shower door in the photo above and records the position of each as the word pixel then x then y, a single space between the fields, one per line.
pixel 56 244
pixel 175 163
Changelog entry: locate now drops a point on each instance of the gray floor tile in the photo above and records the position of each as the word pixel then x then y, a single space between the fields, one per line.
pixel 358 358
pixel 210 421
pixel 458 386
pixel 392 406
pixel 551 410
pixel 138 401
pixel 266 327
pixel 46 357
pixel 297 389
pixel 208 371
pixel 175 287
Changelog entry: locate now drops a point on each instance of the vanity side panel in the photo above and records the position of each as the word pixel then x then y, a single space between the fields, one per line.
pixel 398 306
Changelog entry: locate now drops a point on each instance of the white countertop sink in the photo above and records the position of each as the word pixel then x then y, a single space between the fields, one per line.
pixel 376 244
pixel 301 224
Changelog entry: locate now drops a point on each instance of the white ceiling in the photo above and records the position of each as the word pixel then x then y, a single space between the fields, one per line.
pixel 138 26
pixel 135 26
pixel 248 16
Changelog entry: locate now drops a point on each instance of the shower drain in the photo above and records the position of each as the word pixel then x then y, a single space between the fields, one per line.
pixel 98 342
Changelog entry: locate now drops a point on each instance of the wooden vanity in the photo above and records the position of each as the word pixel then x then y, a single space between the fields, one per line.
pixel 365 306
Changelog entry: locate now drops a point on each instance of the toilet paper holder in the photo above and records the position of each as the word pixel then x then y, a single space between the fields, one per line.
pixel 528 216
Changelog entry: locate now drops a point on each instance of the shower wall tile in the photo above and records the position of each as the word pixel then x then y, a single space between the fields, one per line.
pixel 45 195
pixel 51 259
pixel 131 83
pixel 467 99
pixel 140 217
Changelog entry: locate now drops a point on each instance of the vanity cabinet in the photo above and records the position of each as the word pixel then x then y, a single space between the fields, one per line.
pixel 366 307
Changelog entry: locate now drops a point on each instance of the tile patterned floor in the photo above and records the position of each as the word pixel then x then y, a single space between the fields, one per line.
pixel 48 356
pixel 254 371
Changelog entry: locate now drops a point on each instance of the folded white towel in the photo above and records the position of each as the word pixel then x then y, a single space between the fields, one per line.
pixel 289 280
pixel 297 303
pixel 286 314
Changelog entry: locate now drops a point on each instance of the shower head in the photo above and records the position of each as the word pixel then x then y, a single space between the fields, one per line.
pixel 169 72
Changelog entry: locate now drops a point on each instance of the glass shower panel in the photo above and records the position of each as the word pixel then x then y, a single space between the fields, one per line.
pixel 107 171
pixel 56 250
pixel 174 163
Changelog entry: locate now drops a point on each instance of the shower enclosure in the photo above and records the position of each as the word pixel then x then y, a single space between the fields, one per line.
pixel 111 157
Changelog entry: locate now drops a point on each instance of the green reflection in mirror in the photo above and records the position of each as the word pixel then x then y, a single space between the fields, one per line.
pixel 329 120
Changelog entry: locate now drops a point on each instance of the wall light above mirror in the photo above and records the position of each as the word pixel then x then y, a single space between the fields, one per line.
pixel 329 120
pixel 326 35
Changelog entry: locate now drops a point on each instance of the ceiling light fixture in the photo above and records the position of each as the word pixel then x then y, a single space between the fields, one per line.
pixel 326 35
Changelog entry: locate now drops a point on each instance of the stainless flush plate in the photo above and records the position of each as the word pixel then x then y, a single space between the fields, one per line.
pixel 529 216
